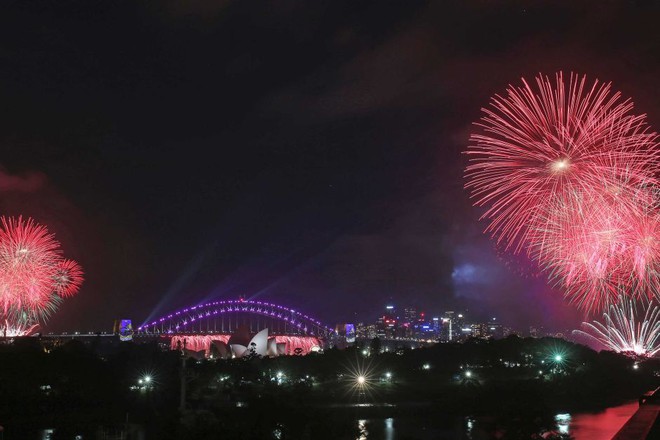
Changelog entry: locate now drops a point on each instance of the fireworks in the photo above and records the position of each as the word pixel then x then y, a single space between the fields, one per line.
pixel 538 147
pixel 67 278
pixel 10 330
pixel 34 277
pixel 598 250
pixel 620 330
pixel 567 173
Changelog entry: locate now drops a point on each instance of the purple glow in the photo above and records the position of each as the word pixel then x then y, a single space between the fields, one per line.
pixel 255 307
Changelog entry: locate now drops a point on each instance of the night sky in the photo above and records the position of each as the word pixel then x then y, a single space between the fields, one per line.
pixel 306 153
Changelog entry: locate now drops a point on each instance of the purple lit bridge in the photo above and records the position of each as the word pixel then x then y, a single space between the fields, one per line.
pixel 223 322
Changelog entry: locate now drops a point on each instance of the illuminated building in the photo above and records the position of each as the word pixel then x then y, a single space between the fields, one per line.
pixel 346 333
pixel 487 330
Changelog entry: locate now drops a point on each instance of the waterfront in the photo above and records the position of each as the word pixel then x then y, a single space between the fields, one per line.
pixel 592 425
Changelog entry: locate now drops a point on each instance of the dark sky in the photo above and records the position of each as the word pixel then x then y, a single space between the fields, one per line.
pixel 304 152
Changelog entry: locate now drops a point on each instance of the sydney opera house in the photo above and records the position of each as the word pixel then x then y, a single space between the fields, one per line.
pixel 243 344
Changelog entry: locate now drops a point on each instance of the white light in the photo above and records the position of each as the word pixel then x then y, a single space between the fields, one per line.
pixel 560 165
pixel 426 366
pixel 468 374
pixel 361 380
pixel 147 379
pixel 279 374
pixel 635 366
pixel 558 358
pixel 388 375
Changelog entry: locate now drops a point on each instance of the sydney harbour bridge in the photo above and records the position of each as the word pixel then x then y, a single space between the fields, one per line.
pixel 235 328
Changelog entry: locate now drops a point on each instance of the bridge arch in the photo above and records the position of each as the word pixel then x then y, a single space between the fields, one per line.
pixel 228 315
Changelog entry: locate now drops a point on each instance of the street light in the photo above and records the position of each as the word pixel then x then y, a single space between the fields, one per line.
pixel 361 380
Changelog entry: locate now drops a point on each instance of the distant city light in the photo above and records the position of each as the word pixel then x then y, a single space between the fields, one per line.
pixel 426 366
pixel 558 358
pixel 361 380
pixel 635 366
pixel 388 375
pixel 468 373
pixel 389 307
pixel 147 379
pixel 279 374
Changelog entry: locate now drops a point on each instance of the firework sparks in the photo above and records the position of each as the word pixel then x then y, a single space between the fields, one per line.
pixel 14 329
pixel 67 278
pixel 539 146
pixel 598 250
pixel 34 277
pixel 567 174
pixel 620 329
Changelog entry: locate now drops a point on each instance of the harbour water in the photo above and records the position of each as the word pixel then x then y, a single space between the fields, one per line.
pixel 580 426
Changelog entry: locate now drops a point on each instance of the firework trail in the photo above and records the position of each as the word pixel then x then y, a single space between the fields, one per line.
pixel 620 329
pixel 34 277
pixel 567 174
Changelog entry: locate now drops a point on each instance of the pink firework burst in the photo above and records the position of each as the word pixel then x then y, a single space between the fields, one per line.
pixel 33 274
pixel 567 174
pixel 68 278
pixel 538 145
pixel 600 248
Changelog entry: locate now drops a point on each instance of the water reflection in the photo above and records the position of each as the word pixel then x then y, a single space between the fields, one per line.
pixel 389 429
pixel 580 426
pixel 602 424
pixel 362 427
pixel 388 432
pixel 469 427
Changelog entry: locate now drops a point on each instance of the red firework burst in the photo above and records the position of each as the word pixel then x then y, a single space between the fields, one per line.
pixel 33 275
pixel 568 174
pixel 68 278
pixel 549 143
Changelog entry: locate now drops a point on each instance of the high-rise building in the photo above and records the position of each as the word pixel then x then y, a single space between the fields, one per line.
pixel 437 326
pixel 448 332
pixel 386 325
pixel 495 331
pixel 488 330
pixel 480 330
pixel 410 315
